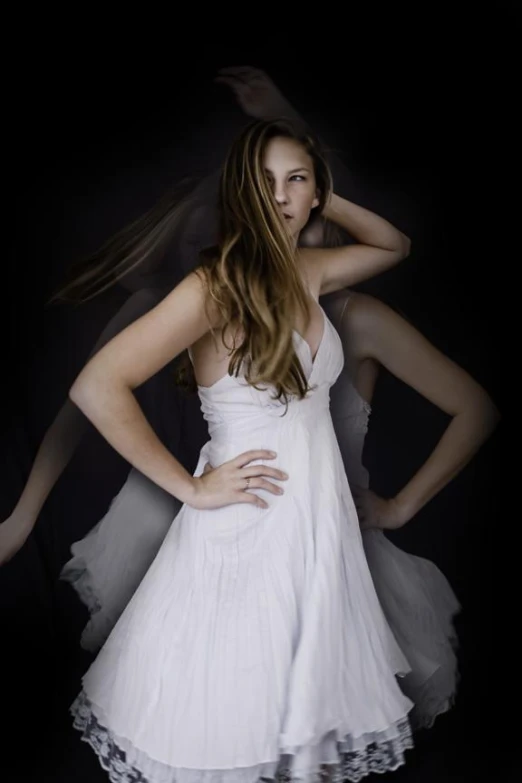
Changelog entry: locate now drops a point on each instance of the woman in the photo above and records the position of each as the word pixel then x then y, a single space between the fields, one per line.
pixel 256 638
pixel 416 598
pixel 109 563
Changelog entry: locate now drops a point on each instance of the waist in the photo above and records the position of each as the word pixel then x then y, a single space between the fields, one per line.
pixel 251 416
pixel 279 431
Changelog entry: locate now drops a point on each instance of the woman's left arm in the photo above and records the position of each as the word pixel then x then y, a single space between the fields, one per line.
pixel 378 247
pixel 382 334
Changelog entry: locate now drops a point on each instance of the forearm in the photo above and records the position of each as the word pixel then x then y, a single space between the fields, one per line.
pixel 116 414
pixel 460 442
pixel 53 456
pixel 365 227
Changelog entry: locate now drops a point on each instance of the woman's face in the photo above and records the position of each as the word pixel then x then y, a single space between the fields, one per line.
pixel 290 172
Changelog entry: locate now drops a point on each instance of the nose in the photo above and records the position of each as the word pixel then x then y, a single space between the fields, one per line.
pixel 280 193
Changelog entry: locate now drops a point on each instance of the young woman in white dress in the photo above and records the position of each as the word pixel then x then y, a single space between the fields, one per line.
pixel 255 642
pixel 110 562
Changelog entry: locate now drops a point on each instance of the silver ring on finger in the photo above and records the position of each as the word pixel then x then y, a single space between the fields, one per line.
pixel 247 483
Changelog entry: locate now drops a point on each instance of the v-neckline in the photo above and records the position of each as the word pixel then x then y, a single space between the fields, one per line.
pixel 313 358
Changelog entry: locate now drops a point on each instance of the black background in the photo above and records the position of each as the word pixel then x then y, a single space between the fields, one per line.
pixel 421 104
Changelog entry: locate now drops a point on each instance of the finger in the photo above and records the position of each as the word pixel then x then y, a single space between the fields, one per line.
pixel 259 483
pixel 251 499
pixel 249 456
pixel 262 470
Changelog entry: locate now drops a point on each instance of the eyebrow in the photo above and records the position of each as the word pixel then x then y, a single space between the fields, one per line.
pixel 293 171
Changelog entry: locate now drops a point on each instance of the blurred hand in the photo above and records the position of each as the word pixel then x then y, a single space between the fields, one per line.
pixel 256 93
pixel 313 234
pixel 14 532
pixel 376 512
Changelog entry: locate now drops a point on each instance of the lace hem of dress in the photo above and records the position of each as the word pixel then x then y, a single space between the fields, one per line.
pixel 77 574
pixel 100 622
pixel 434 698
pixel 383 752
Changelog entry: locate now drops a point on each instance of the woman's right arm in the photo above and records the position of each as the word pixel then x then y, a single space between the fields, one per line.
pixel 104 392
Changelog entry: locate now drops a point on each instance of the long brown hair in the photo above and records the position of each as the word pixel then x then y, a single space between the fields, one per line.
pixel 252 275
pixel 144 239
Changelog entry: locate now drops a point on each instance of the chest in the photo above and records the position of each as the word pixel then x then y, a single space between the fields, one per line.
pixel 211 354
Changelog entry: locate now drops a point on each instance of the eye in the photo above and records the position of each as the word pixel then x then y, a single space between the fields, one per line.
pixel 298 178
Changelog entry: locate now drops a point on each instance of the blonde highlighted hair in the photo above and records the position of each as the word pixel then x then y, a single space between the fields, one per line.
pixel 252 275
pixel 144 239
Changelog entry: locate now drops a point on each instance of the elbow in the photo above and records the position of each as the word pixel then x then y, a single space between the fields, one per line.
pixel 400 249
pixel 404 247
pixel 79 392
pixel 87 390
pixel 95 390
pixel 486 414
pixel 493 416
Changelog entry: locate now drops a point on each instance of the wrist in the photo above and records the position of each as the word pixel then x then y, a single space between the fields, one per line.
pixel 403 509
pixel 188 491
pixel 331 208
pixel 27 510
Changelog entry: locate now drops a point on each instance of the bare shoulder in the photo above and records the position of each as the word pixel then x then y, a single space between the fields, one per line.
pixel 368 325
pixel 153 340
pixel 138 303
pixel 141 301
pixel 354 312
pixel 363 310
pixel 191 299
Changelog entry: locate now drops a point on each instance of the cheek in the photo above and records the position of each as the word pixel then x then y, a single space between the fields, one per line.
pixel 306 200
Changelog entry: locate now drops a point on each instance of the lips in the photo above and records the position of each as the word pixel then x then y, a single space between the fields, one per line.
pixel 287 216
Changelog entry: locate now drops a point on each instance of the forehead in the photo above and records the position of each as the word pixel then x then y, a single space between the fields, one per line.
pixel 283 153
